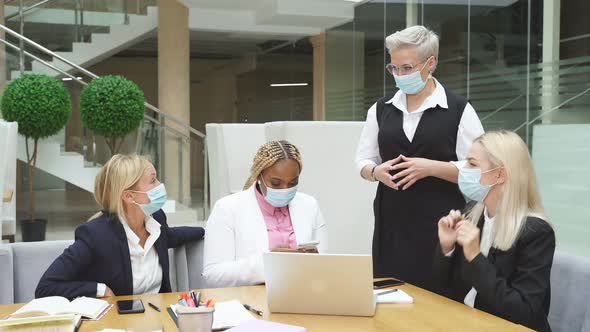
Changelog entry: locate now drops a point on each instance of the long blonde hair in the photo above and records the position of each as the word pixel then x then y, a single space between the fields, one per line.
pixel 120 173
pixel 268 154
pixel 520 196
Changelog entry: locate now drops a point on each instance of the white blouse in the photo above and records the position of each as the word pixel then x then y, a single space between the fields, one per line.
pixel 145 264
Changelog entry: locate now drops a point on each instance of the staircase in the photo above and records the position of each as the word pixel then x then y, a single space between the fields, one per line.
pixel 72 166
pixel 69 166
pixel 101 45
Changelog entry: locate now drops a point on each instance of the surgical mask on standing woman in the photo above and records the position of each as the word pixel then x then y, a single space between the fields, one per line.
pixel 411 83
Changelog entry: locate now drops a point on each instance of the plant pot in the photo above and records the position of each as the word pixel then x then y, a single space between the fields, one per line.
pixel 33 230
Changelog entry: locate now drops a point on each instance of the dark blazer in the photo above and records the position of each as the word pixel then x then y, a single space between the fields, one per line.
pixel 100 254
pixel 512 284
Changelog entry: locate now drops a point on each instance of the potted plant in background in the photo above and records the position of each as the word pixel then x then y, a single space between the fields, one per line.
pixel 113 107
pixel 41 106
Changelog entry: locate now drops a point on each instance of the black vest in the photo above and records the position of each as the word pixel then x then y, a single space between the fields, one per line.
pixel 406 220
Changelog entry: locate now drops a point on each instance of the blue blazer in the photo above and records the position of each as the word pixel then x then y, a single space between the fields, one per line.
pixel 100 254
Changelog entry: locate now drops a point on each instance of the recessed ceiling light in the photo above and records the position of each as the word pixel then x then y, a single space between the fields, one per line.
pixel 288 84
pixel 69 78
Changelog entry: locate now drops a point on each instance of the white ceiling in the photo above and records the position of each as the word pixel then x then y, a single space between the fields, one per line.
pixel 273 19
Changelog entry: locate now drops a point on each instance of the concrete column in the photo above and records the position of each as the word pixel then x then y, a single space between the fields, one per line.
pixel 174 95
pixel 319 76
pixel 550 79
pixel 2 53
pixel 411 13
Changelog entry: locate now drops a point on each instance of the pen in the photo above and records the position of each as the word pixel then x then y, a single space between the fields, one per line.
pixel 194 298
pixel 254 310
pixel 387 292
pixel 154 306
pixel 198 299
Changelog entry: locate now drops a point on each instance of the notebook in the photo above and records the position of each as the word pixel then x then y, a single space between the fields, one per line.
pixel 54 323
pixel 398 296
pixel 54 305
pixel 227 314
pixel 259 325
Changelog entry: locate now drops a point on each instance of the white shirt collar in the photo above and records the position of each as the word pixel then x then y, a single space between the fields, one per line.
pixel 487 217
pixel 151 225
pixel 438 97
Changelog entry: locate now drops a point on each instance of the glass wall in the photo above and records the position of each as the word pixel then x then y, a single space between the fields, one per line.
pixel 280 86
pixel 524 65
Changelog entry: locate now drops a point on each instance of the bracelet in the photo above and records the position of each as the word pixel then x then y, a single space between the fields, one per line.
pixel 373 173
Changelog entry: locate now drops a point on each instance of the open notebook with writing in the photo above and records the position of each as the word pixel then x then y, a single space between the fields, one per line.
pixel 54 305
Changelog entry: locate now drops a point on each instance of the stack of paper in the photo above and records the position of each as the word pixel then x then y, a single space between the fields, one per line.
pixel 399 296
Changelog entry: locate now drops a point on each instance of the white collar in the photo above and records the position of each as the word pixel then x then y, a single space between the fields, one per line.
pixel 151 225
pixel 438 97
pixel 487 218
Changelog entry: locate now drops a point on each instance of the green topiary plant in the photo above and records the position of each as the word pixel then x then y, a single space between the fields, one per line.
pixel 112 107
pixel 41 106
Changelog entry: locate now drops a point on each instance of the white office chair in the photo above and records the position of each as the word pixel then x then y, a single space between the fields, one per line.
pixel 8 141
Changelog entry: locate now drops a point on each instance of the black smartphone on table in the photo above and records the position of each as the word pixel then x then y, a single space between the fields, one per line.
pixel 130 307
pixel 389 282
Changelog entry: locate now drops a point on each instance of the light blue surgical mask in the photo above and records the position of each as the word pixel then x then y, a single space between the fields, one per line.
pixel 279 197
pixel 157 196
pixel 470 183
pixel 411 83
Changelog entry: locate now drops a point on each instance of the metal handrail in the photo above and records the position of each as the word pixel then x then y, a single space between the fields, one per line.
pixel 25 10
pixel 80 81
pixel 526 123
pixel 92 75
pixel 502 107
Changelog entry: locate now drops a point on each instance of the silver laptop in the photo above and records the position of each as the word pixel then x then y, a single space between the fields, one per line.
pixel 319 284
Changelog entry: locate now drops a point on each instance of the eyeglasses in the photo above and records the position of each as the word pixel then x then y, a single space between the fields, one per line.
pixel 401 70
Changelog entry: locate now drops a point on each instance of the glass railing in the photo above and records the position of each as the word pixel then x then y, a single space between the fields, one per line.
pixel 512 98
pixel 59 24
pixel 176 150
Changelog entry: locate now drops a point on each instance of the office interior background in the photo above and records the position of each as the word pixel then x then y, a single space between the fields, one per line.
pixel 523 64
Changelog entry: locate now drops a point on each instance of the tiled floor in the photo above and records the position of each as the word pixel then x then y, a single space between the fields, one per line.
pixel 64 211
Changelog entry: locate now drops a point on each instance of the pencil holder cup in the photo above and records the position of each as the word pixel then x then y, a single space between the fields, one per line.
pixel 192 319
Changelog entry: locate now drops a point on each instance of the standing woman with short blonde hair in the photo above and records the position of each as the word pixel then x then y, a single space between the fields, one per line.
pixel 408 144
pixel 498 256
pixel 270 214
pixel 123 249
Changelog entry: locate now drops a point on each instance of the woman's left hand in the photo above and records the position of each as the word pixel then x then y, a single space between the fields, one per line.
pixel 468 238
pixel 414 169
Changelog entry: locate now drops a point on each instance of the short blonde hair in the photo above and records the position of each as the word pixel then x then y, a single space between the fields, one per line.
pixel 425 41
pixel 120 173
pixel 268 155
pixel 520 194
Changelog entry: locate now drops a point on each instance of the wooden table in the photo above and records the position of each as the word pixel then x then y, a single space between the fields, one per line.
pixel 429 312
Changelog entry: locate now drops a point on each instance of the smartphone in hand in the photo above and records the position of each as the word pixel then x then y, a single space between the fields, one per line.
pixel 308 245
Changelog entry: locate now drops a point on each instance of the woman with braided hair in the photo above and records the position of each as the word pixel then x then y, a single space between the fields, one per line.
pixel 268 215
